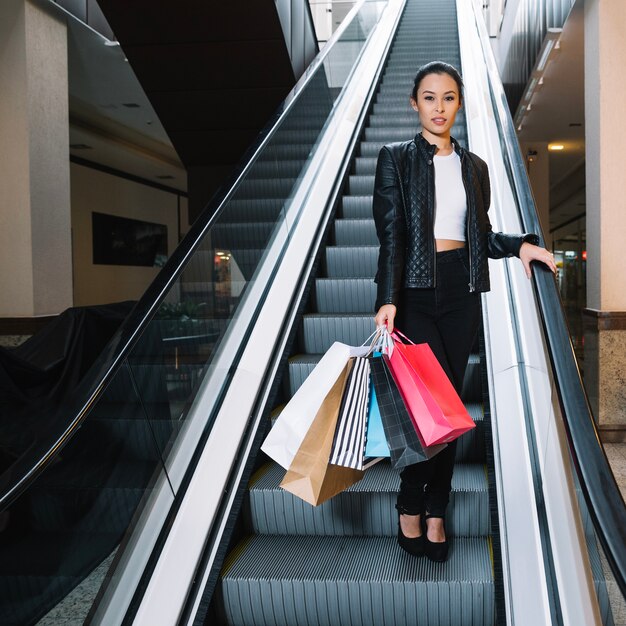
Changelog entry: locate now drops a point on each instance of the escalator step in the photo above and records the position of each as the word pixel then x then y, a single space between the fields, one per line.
pixel 345 295
pixel 355 261
pixel 252 209
pixel 355 233
pixel 365 581
pixel 366 508
pixel 361 186
pixel 357 206
pixel 321 330
pixel 251 235
pixel 364 166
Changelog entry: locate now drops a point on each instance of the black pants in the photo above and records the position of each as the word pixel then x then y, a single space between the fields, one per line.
pixel 446 317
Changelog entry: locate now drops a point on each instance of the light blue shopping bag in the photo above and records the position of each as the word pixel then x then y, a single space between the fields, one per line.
pixel 376 444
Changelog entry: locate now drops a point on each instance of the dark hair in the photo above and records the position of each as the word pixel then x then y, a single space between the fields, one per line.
pixel 437 67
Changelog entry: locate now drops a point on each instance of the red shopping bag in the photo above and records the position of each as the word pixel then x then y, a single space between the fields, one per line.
pixel 434 405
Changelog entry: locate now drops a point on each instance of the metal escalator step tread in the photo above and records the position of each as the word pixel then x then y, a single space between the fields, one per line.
pixel 321 330
pixel 251 210
pixel 345 295
pixel 275 187
pixel 361 185
pixel 356 206
pixel 364 166
pixel 366 508
pixel 355 232
pixel 351 261
pixel 245 235
pixel 356 580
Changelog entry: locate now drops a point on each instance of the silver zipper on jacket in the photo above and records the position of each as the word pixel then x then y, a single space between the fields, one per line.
pixel 431 211
pixel 467 224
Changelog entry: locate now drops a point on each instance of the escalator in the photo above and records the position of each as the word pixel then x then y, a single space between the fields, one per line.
pixel 144 498
pixel 339 563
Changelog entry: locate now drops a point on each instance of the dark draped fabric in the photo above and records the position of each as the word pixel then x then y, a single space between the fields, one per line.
pixel 37 376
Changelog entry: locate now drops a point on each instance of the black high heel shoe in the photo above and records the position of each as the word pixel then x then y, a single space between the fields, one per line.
pixel 413 545
pixel 435 550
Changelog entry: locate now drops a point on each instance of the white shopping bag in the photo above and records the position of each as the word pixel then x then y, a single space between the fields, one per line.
pixel 296 418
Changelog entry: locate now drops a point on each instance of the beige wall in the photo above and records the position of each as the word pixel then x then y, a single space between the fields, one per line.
pixel 35 273
pixel 97 191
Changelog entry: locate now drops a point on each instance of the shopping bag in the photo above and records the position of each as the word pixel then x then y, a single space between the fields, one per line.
pixel 349 442
pixel 291 426
pixel 310 476
pixel 375 442
pixel 402 438
pixel 437 410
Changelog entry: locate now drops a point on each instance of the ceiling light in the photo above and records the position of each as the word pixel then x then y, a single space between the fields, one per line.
pixel 556 146
pixel 531 87
pixel 543 59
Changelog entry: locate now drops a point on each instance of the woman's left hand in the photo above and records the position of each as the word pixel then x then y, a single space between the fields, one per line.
pixel 529 252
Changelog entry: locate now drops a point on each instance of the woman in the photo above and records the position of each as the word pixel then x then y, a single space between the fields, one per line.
pixel 430 207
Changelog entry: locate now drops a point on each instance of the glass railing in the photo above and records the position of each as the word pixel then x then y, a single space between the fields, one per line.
pixel 83 498
pixel 602 507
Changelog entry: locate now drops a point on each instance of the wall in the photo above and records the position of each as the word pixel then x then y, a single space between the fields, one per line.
pixel 34 172
pixel 93 190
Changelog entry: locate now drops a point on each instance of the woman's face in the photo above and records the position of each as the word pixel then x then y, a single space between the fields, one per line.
pixel 437 104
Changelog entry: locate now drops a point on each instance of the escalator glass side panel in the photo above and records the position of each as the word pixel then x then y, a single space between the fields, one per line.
pixel 198 320
pixel 61 535
pixel 74 523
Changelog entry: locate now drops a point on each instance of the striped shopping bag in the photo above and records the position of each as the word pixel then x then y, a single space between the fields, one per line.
pixel 348 447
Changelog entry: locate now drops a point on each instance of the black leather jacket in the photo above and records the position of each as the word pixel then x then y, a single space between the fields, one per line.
pixel 404 198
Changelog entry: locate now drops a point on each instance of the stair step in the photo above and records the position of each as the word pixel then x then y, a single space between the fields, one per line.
pixel 321 330
pixel 366 508
pixel 246 235
pixel 364 581
pixel 360 185
pixel 351 261
pixel 345 295
pixel 252 210
pixel 358 232
pixel 357 206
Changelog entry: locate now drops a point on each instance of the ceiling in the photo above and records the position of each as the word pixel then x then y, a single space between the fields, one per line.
pixel 213 71
pixel 557 115
pixel 112 122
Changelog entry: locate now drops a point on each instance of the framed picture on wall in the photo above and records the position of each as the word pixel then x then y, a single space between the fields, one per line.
pixel 123 241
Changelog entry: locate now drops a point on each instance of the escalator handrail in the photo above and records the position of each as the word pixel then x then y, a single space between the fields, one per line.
pixel 60 429
pixel 601 492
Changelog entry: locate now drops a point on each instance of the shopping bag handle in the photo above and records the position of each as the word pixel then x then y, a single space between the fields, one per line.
pixel 396 334
pixel 381 341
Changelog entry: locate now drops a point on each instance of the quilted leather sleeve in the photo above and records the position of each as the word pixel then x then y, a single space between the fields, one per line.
pixel 388 207
pixel 500 245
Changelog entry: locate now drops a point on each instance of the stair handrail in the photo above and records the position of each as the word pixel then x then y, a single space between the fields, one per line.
pixel 601 492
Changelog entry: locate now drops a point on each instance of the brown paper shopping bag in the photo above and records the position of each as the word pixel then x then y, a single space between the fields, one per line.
pixel 310 476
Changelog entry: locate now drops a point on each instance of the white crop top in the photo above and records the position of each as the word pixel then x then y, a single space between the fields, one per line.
pixel 450 200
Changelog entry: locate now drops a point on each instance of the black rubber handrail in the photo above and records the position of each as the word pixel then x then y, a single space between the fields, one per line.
pixel 60 428
pixel 603 497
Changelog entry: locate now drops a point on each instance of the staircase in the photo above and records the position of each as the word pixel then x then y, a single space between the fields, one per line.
pixel 339 563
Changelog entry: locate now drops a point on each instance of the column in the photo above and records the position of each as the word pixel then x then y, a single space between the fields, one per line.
pixel 605 337
pixel 35 234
